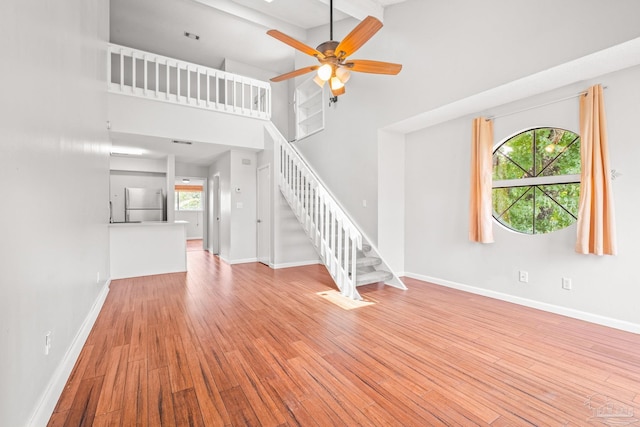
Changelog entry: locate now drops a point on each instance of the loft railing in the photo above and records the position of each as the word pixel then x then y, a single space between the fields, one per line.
pixel 335 237
pixel 147 75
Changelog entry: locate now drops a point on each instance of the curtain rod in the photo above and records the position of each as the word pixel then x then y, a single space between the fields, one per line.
pixel 539 105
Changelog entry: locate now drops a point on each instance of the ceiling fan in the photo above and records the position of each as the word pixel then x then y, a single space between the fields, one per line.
pixel 332 55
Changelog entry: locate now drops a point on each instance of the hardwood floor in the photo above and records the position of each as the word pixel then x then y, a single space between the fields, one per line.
pixel 194 245
pixel 245 345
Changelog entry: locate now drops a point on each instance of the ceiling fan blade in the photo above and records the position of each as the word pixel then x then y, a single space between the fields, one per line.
pixel 358 36
pixel 295 43
pixel 295 73
pixel 373 67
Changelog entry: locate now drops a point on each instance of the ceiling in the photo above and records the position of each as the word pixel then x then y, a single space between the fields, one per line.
pixel 233 29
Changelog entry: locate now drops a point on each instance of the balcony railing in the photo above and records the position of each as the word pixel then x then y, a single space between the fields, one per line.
pixel 147 75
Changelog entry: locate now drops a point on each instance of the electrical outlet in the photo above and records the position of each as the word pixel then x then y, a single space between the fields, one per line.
pixel 364 203
pixel 566 283
pixel 47 342
pixel 523 276
pixel 98 278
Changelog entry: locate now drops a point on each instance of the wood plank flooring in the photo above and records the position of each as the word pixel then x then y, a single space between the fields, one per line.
pixel 245 345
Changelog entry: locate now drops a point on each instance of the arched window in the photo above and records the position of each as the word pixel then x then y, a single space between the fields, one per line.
pixel 536 180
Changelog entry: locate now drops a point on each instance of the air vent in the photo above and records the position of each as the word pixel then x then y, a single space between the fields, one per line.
pixel 175 141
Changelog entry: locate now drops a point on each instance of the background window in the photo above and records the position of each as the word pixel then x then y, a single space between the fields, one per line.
pixel 536 180
pixel 188 198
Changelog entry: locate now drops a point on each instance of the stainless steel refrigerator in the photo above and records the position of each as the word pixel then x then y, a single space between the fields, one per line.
pixel 144 204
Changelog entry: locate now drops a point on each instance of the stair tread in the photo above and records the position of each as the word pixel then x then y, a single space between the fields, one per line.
pixel 367 261
pixel 373 277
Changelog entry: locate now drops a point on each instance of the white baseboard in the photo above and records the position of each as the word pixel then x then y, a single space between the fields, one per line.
pixel 294 264
pixel 564 311
pixel 242 261
pixel 54 389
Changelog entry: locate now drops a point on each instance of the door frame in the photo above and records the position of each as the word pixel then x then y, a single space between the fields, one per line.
pixel 263 225
pixel 214 215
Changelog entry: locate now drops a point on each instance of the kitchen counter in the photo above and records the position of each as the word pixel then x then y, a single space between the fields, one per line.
pixel 146 248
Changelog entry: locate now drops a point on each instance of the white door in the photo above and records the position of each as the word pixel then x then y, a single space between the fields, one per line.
pixel 264 215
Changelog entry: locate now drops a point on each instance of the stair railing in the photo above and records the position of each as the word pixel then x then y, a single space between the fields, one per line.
pixel 147 75
pixel 331 231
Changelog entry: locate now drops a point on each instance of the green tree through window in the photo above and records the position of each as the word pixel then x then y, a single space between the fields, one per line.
pixel 188 200
pixel 536 180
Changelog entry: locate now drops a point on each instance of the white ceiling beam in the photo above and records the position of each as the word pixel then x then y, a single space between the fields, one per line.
pixel 256 17
pixel 358 9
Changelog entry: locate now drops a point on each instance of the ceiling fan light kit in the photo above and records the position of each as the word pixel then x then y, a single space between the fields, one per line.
pixel 332 56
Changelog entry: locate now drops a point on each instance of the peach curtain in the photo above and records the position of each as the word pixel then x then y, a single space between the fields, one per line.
pixel 596 222
pixel 480 206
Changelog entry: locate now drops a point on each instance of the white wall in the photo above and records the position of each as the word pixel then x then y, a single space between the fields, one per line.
pixel 449 50
pixel 195 225
pixel 54 172
pixel 137 164
pixel 237 209
pixel 138 116
pixel 391 193
pixel 243 207
pixel 191 170
pixel 437 189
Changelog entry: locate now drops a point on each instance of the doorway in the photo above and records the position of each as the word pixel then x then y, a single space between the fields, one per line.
pixel 264 215
pixel 214 215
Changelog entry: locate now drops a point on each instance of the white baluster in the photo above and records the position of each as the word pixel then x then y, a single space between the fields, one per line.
pixel 188 84
pixel 340 272
pixel 133 72
pixel 208 96
pixel 121 71
pixel 178 83
pixel 198 86
pixel 166 63
pixel 157 76
pixel 144 78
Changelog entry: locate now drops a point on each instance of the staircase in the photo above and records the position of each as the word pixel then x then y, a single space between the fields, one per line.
pixel 349 256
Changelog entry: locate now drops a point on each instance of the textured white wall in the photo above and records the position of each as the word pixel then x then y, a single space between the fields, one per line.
pixel 54 173
pixel 437 191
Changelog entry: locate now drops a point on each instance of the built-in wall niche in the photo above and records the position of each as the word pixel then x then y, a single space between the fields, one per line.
pixel 309 109
pixel 119 180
